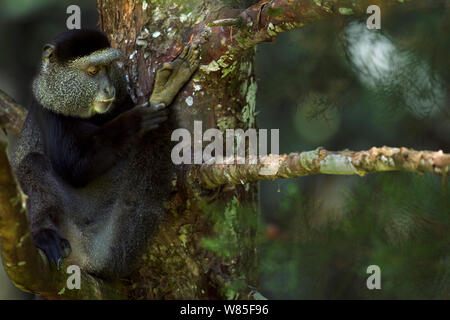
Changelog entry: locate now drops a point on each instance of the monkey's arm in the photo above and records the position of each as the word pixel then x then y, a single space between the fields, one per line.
pixel 81 156
pixel 103 147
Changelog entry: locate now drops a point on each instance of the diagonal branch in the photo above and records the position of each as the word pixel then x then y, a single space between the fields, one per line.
pixel 265 20
pixel 12 115
pixel 321 161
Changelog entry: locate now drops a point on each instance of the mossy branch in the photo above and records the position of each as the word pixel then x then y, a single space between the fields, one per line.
pixel 265 20
pixel 12 115
pixel 321 161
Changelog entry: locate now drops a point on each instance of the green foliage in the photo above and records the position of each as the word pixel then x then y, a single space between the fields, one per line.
pixel 322 231
pixel 400 222
pixel 274 12
pixel 15 8
pixel 232 221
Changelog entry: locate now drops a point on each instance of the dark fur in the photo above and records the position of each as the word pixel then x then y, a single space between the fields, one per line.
pixel 62 163
pixel 82 149
pixel 98 182
pixel 78 43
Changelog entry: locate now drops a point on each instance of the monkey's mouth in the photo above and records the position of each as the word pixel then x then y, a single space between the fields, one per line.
pixel 102 106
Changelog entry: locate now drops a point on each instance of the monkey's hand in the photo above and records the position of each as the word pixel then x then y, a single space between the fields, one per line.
pixel 172 76
pixel 54 247
pixel 152 117
pixel 140 119
pixel 114 140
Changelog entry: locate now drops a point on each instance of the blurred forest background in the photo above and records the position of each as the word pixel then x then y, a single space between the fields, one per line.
pixel 338 85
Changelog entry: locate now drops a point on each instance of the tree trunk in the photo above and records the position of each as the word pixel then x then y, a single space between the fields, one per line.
pixel 206 246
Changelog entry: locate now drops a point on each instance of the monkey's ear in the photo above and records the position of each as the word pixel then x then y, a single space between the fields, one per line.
pixel 48 51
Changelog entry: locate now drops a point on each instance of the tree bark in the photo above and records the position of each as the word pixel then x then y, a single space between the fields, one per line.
pixel 206 247
pixel 12 115
pixel 321 161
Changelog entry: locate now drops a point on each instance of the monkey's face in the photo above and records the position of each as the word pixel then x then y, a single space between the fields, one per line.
pixel 106 93
pixel 80 88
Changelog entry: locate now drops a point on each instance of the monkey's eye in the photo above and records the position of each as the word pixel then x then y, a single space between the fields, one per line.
pixel 93 70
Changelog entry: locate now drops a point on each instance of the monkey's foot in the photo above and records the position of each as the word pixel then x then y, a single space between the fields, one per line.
pixel 172 76
pixel 54 247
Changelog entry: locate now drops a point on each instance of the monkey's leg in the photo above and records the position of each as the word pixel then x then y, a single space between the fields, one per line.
pixel 172 76
pixel 44 205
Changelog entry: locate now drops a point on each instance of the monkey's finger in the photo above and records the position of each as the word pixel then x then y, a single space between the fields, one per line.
pixel 153 115
pixel 166 66
pixel 65 248
pixel 195 65
pixel 157 107
pixel 160 119
pixel 54 255
pixel 152 121
pixel 148 127
pixel 153 127
pixel 59 263
pixel 156 126
pixel 184 53
pixel 192 47
pixel 143 105
pixel 161 112
pixel 150 124
pixel 193 55
pixel 57 258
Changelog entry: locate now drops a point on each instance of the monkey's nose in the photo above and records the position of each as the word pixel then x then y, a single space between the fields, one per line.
pixel 110 91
